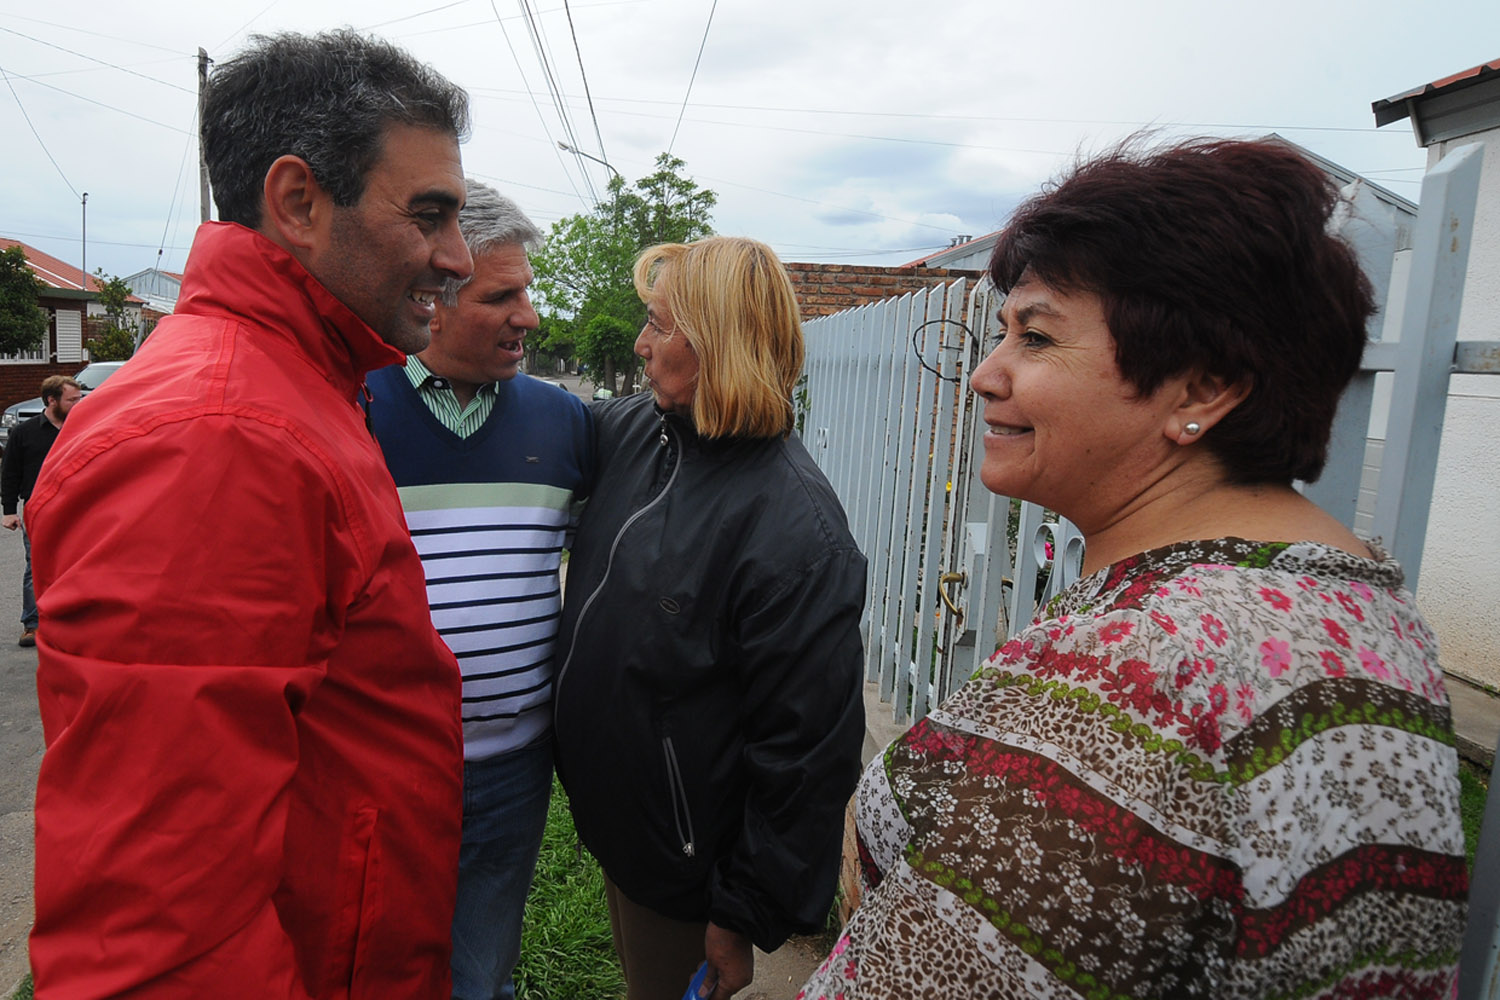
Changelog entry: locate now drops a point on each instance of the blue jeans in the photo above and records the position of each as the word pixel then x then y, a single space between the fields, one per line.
pixel 505 812
pixel 28 596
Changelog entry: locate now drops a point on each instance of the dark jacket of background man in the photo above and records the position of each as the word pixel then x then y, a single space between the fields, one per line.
pixel 29 444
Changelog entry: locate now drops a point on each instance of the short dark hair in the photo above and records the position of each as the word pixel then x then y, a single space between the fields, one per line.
pixel 1211 256
pixel 328 99
pixel 53 385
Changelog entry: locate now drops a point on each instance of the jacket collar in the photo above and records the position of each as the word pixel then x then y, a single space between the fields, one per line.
pixel 237 271
pixel 692 440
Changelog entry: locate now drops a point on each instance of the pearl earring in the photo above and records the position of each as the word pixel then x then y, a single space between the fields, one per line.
pixel 1193 427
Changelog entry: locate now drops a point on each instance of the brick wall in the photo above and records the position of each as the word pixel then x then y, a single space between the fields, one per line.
pixel 24 381
pixel 824 289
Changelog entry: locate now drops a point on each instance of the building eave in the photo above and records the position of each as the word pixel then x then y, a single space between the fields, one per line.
pixel 1455 106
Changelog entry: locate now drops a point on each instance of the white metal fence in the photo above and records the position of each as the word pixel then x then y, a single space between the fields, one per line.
pixel 888 415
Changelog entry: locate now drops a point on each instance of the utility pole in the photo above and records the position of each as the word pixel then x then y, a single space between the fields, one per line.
pixel 85 241
pixel 203 205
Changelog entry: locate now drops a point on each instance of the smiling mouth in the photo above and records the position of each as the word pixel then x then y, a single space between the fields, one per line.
pixel 1002 430
pixel 422 298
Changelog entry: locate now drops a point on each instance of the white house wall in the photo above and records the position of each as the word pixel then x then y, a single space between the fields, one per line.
pixel 1460 581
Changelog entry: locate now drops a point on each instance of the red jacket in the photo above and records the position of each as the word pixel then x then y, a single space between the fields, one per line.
pixel 252 784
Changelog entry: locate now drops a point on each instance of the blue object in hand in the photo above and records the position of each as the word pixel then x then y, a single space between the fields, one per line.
pixel 697 983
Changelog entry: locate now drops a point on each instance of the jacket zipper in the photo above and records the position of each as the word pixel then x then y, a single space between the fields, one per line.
pixel 609 566
pixel 678 792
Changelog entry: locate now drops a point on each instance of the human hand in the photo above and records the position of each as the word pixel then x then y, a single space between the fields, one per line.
pixel 731 962
pixel 10 522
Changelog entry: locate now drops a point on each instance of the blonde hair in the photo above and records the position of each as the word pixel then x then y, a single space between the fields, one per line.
pixel 734 302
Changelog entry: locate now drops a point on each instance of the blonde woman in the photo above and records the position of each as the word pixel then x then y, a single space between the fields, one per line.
pixel 708 705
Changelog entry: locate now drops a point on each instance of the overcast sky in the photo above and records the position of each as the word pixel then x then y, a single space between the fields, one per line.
pixel 861 131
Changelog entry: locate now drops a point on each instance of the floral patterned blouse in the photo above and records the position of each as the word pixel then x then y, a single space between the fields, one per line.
pixel 1222 769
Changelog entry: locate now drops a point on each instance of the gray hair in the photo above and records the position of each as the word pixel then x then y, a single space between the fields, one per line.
pixel 489 220
pixel 327 99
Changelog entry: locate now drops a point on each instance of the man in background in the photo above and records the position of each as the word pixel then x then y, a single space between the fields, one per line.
pixel 29 444
pixel 489 464
pixel 251 784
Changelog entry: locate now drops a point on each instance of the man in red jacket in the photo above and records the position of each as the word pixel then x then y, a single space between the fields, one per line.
pixel 252 779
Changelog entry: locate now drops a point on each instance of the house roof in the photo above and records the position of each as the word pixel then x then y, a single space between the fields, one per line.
pixel 54 273
pixel 1343 175
pixel 1457 105
pixel 979 245
pixel 174 275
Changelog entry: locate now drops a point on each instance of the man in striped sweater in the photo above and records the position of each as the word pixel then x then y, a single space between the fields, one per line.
pixel 489 464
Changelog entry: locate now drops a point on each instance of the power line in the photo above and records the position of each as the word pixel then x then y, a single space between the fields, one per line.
pixel 101 62
pixel 540 117
pixel 235 34
pixel 507 182
pixel 476 24
pixel 559 105
pixel 933 116
pixel 116 39
pixel 957 145
pixel 590 97
pixel 694 77
pixel 860 251
pixel 412 17
pixel 824 204
pixel 107 107
pixel 76 70
pixel 72 238
pixel 36 133
pixel 176 187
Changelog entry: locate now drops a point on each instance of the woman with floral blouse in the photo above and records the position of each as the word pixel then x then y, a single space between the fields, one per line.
pixel 1221 764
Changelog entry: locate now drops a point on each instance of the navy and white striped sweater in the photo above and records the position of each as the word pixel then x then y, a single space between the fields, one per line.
pixel 489 515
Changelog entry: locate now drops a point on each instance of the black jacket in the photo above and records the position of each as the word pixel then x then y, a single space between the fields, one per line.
pixel 28 445
pixel 708 704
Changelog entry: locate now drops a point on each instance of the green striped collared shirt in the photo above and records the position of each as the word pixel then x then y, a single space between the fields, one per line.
pixel 443 402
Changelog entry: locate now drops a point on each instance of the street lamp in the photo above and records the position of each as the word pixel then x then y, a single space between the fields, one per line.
pixel 578 152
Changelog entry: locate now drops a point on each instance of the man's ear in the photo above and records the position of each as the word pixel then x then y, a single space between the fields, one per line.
pixel 1205 400
pixel 297 212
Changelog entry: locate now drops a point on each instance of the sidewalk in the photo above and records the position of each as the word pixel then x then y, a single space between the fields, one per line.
pixel 1476 720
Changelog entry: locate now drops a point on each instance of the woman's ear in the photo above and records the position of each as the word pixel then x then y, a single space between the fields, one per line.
pixel 296 213
pixel 1205 400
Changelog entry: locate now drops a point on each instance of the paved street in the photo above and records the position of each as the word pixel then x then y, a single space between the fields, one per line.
pixel 20 756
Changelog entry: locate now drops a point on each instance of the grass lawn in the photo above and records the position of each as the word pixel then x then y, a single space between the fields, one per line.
pixel 566 949
pixel 1473 785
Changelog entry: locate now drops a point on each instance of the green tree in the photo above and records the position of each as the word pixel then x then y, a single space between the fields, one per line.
pixel 113 339
pixel 583 270
pixel 23 323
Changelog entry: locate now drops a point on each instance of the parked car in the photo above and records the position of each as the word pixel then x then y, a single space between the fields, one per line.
pixel 91 378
